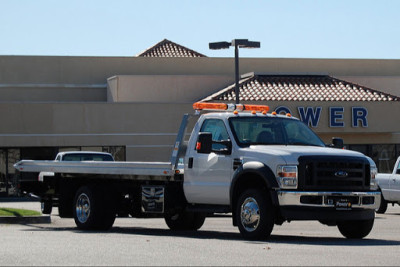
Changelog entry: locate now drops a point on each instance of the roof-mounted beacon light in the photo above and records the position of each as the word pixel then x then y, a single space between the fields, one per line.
pixel 229 107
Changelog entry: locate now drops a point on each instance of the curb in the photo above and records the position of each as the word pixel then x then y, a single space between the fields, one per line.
pixel 25 219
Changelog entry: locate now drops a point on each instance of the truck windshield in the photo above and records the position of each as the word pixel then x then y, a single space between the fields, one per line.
pixel 272 131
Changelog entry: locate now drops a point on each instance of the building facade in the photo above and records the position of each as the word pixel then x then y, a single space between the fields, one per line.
pixel 132 106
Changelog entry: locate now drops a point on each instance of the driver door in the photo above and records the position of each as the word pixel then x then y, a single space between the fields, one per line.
pixel 208 176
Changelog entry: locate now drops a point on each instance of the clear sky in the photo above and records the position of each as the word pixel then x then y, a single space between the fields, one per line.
pixel 296 28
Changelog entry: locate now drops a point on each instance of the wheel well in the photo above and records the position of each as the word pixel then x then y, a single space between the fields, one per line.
pixel 67 189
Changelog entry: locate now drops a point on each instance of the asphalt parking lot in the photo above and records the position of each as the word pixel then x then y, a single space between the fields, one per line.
pixel 149 242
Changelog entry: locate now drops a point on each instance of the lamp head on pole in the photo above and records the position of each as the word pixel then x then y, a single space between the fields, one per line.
pixel 237 43
pixel 241 43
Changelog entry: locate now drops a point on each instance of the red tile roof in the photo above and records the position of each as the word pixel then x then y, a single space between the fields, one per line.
pixel 166 48
pixel 258 87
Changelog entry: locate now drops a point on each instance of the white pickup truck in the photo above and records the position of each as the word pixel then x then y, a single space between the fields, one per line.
pixel 389 184
pixel 263 168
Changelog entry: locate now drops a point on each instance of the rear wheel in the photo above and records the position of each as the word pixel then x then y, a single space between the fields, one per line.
pixel 355 229
pixel 383 206
pixel 46 207
pixel 185 220
pixel 93 209
pixel 255 214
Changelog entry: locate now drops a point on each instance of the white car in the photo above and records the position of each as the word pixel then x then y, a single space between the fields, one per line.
pixel 389 185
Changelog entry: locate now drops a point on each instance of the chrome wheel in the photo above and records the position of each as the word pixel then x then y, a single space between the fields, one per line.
pixel 82 208
pixel 250 214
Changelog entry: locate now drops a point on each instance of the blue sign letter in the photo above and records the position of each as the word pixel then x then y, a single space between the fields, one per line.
pixel 359 114
pixel 336 117
pixel 309 116
pixel 282 110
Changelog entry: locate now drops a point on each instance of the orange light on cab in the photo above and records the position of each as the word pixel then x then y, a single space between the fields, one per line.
pixel 201 106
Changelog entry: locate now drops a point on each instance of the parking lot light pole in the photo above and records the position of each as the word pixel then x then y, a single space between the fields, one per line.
pixel 242 43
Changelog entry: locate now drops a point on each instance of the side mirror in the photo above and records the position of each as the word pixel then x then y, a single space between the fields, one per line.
pixel 204 143
pixel 337 142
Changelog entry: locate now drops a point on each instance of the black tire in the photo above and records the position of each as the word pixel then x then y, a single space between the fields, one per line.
pixel 93 208
pixel 255 214
pixel 383 206
pixel 185 221
pixel 355 229
pixel 46 207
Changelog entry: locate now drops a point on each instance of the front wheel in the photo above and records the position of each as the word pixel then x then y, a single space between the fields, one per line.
pixel 255 214
pixel 355 229
pixel 185 220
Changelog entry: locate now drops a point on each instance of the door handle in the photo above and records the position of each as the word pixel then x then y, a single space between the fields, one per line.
pixel 190 163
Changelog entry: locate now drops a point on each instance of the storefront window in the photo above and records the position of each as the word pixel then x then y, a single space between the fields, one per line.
pixel 3 172
pixel 8 182
pixel 384 157
pixel 118 152
pixel 397 151
pixel 360 148
pixel 92 148
pixel 65 149
pixel 13 157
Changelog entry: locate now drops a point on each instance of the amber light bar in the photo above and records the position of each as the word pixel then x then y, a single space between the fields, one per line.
pixel 229 107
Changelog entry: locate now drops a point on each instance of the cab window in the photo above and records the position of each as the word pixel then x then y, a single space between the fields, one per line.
pixel 218 130
pixel 398 169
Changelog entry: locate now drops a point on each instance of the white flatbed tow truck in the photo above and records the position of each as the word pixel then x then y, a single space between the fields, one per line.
pixel 263 168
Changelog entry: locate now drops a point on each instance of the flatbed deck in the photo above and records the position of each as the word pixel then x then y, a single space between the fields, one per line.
pixel 98 167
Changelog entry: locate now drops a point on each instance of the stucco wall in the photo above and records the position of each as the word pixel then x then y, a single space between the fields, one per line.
pixel 165 88
pixel 136 126
pixel 33 114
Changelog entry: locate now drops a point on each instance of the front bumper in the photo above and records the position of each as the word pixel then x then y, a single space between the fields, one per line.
pixel 363 200
pixel 301 205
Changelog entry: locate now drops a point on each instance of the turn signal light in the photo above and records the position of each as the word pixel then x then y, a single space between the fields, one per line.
pixel 198 146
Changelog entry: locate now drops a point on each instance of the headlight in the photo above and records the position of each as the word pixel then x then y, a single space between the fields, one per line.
pixel 373 184
pixel 287 176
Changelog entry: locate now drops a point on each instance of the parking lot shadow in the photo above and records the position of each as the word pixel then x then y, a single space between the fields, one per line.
pixel 233 236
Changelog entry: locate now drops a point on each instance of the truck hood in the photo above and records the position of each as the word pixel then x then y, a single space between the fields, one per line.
pixel 290 154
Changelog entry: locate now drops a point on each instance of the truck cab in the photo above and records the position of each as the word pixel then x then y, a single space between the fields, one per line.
pixel 252 161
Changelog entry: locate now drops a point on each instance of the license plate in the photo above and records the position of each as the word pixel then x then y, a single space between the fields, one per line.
pixel 343 204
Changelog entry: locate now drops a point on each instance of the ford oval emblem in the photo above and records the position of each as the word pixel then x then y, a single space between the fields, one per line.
pixel 341 174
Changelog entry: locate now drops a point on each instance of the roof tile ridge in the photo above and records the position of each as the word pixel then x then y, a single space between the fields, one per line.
pixel 166 41
pixel 188 49
pixel 152 48
pixel 227 89
pixel 395 98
